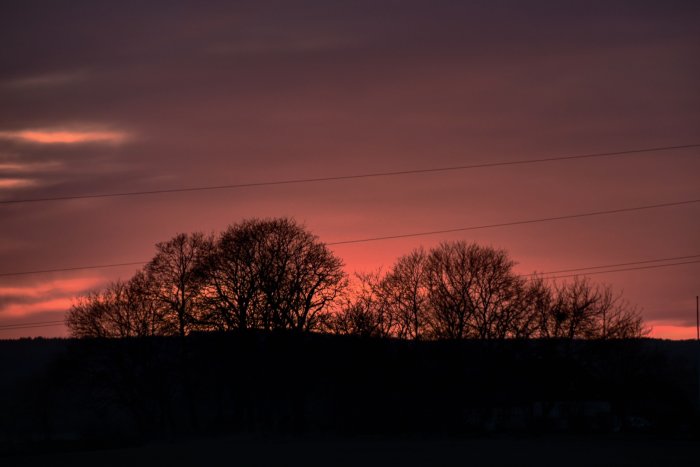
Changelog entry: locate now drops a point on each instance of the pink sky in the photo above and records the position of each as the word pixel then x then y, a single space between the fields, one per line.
pixel 133 98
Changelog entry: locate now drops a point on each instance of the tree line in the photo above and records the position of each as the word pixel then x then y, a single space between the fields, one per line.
pixel 273 274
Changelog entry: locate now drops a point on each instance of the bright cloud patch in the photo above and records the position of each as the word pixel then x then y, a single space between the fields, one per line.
pixel 64 136
pixel 68 286
pixel 9 183
pixel 21 309
pixel 55 295
pixel 15 167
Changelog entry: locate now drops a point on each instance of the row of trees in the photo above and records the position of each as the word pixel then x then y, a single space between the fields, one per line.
pixel 259 274
pixel 459 290
pixel 274 274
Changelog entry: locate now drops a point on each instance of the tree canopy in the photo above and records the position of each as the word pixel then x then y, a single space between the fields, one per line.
pixel 273 274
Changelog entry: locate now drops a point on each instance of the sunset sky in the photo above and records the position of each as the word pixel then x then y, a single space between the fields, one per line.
pixel 104 97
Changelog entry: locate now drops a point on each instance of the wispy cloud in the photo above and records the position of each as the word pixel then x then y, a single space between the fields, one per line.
pixel 46 80
pixel 281 44
pixel 45 296
pixel 64 285
pixel 20 309
pixel 29 167
pixel 51 136
pixel 11 183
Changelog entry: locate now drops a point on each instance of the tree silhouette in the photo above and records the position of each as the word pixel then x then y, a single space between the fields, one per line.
pixel 475 293
pixel 89 317
pixel 272 274
pixel 122 309
pixel 233 285
pixel 364 310
pixel 580 309
pixel 177 279
pixel 405 292
pixel 459 290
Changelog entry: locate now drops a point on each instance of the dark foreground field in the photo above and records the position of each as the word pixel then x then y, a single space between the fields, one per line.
pixel 309 399
pixel 369 451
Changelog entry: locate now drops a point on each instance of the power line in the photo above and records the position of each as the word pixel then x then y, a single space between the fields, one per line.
pixel 625 269
pixel 11 326
pixel 407 235
pixel 31 327
pixel 616 265
pixel 353 177
pixel 39 324
pixel 76 268
pixel 522 222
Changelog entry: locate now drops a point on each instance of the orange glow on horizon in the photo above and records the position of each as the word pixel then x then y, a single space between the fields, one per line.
pixel 674 332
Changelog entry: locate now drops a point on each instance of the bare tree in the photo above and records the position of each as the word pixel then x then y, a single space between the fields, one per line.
pixel 149 317
pixel 456 290
pixel 177 278
pixel 273 274
pixel 300 275
pixel 364 310
pixel 475 293
pixel 234 298
pixel 87 317
pixel 404 291
pixel 449 280
pixel 580 309
pixel 122 309
pixel 624 321
pixel 541 303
